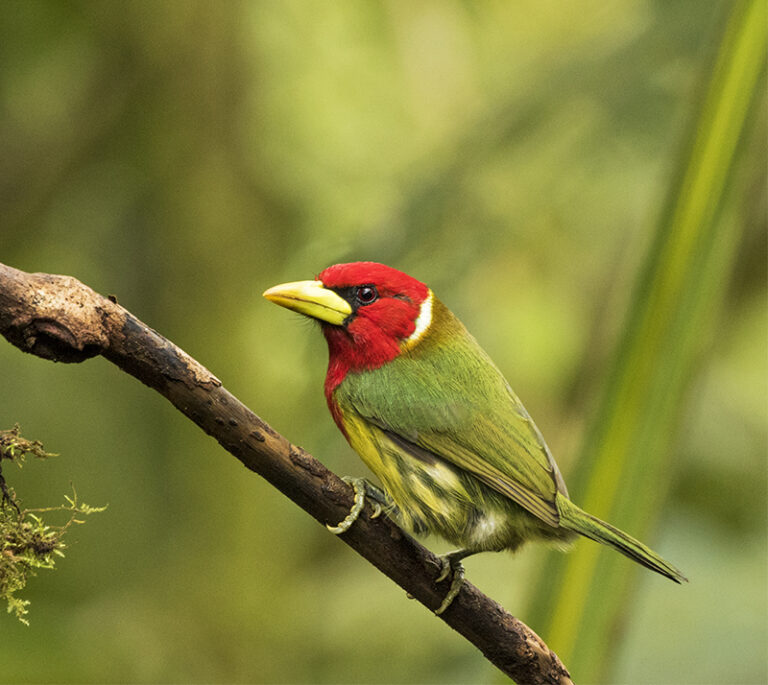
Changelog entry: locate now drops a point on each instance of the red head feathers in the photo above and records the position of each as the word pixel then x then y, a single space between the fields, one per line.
pixel 386 304
pixel 370 314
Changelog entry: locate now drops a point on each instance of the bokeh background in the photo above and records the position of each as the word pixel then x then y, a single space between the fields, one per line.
pixel 518 157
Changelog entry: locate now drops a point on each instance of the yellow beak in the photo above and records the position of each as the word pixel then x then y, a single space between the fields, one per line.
pixel 311 298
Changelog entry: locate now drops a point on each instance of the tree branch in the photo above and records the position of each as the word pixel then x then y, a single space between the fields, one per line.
pixel 59 318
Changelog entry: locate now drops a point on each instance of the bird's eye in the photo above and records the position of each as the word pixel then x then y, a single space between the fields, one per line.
pixel 366 294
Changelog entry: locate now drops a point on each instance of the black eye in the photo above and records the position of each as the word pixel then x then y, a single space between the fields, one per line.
pixel 366 294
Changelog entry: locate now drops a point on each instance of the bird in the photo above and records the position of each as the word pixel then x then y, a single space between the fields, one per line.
pixel 437 423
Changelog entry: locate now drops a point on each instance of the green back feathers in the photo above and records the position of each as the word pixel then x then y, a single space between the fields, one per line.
pixel 446 396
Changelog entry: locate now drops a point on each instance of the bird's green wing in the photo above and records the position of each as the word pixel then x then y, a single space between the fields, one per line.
pixel 451 400
pixel 435 446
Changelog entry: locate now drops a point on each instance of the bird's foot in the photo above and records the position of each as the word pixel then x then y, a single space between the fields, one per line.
pixel 451 564
pixel 362 489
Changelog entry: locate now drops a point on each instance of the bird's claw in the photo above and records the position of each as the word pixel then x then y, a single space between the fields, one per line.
pixel 445 566
pixel 362 490
pixel 358 484
pixel 450 564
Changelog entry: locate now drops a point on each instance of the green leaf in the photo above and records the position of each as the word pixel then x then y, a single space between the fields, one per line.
pixel 627 460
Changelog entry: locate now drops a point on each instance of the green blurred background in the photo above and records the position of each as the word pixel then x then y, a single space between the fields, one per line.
pixel 518 157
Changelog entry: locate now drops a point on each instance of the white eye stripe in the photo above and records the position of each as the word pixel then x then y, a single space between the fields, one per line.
pixel 423 322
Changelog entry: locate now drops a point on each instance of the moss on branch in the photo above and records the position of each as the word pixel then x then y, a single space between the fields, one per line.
pixel 27 542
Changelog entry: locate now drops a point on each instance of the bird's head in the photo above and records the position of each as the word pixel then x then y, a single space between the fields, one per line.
pixel 370 313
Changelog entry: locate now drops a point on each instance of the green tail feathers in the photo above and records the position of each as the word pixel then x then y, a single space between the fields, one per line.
pixel 579 521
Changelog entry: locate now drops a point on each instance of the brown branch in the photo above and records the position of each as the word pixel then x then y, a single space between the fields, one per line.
pixel 59 318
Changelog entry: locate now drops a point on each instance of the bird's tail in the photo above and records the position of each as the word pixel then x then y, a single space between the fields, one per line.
pixel 579 521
